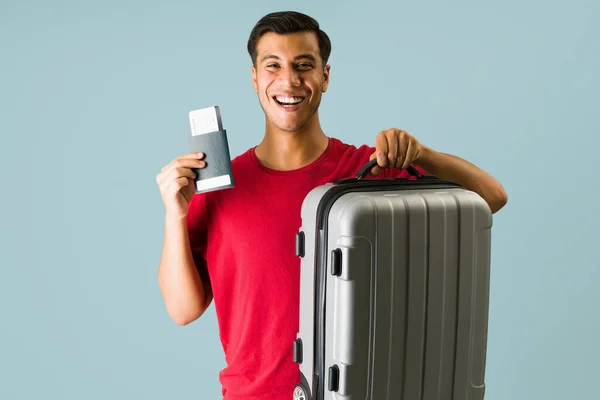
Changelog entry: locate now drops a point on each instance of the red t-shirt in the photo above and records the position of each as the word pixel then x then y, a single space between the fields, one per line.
pixel 244 239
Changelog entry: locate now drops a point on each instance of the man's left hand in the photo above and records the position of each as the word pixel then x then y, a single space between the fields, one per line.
pixel 394 148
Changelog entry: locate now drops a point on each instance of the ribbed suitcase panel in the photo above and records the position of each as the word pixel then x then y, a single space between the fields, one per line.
pixel 472 300
pixel 406 319
pixel 442 295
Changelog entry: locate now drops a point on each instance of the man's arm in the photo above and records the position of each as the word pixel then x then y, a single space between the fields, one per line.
pixel 186 296
pixel 453 168
pixel 397 148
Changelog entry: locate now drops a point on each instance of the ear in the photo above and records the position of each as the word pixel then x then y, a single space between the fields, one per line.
pixel 253 70
pixel 326 77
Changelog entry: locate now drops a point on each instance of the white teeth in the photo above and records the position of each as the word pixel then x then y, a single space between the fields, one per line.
pixel 289 100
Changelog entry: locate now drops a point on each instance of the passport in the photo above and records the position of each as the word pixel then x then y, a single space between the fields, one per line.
pixel 210 138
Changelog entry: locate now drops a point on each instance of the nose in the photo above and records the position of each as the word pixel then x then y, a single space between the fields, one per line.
pixel 290 77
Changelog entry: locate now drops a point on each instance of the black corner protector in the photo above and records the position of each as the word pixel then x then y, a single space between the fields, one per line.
pixel 336 262
pixel 300 244
pixel 334 379
pixel 298 351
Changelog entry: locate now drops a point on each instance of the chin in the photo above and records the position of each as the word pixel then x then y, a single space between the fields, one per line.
pixel 289 128
pixel 287 122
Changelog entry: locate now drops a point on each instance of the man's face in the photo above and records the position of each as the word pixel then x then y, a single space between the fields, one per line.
pixel 289 78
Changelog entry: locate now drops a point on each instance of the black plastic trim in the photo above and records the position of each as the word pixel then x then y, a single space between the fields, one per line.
pixel 298 351
pixel 372 163
pixel 336 262
pixel 304 384
pixel 333 383
pixel 300 244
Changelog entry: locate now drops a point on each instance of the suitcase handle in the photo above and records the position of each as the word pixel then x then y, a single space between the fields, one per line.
pixel 369 166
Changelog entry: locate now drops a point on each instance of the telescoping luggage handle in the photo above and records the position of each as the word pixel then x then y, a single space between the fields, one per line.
pixel 369 166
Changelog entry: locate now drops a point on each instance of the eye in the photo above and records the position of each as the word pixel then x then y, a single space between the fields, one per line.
pixel 273 65
pixel 305 66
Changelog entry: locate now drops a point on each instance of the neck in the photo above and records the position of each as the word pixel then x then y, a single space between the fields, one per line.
pixel 286 151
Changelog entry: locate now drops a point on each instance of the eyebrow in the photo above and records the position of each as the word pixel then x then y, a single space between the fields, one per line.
pixel 307 56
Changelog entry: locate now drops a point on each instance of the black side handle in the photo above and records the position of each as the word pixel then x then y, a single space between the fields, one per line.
pixel 369 166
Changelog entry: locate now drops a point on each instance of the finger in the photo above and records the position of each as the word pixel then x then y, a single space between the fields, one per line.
pixel 189 191
pixel 180 163
pixel 410 154
pixel 188 156
pixel 176 185
pixel 392 139
pixel 403 147
pixel 182 160
pixel 381 147
pixel 177 172
pixel 182 172
pixel 376 170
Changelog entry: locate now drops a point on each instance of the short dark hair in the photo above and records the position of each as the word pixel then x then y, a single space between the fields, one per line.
pixel 284 22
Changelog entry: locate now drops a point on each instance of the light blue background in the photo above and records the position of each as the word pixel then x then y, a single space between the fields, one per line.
pixel 94 100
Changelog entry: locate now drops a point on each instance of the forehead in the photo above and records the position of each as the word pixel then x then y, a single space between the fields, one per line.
pixel 287 46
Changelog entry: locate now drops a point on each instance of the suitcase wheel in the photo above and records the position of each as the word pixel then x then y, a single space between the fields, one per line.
pixel 300 393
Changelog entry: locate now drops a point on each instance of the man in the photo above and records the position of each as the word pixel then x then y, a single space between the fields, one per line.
pixel 236 246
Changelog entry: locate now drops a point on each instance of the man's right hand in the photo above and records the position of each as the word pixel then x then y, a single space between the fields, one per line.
pixel 176 183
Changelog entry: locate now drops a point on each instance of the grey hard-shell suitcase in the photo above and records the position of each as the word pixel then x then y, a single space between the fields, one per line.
pixel 394 290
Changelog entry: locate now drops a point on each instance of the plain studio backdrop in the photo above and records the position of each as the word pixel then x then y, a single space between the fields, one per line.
pixel 94 100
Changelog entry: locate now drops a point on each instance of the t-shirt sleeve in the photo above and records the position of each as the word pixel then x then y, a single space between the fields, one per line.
pixel 197 222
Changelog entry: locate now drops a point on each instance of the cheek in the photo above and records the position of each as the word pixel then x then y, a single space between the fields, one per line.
pixel 318 84
pixel 264 87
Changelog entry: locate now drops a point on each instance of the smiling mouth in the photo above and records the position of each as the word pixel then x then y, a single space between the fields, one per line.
pixel 288 102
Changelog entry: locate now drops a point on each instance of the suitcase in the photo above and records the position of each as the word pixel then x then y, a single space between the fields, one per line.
pixel 394 288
